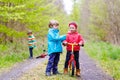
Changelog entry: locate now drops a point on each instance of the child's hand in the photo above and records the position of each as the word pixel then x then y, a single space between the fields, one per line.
pixel 81 44
pixel 34 44
pixel 64 43
pixel 29 44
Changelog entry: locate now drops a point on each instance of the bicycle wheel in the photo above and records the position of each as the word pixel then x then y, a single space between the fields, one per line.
pixel 73 68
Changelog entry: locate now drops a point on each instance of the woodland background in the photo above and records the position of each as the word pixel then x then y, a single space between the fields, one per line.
pixel 98 21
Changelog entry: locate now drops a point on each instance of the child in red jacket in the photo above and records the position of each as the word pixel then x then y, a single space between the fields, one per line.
pixel 73 37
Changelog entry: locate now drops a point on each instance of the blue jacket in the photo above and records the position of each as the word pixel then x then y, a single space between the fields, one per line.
pixel 54 41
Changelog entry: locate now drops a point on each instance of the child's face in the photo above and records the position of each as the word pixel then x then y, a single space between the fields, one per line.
pixel 72 28
pixel 55 26
pixel 29 34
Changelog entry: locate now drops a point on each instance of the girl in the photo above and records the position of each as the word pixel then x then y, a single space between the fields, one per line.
pixel 73 37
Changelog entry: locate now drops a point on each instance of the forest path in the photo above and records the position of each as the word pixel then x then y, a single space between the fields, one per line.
pixel 89 69
pixel 20 69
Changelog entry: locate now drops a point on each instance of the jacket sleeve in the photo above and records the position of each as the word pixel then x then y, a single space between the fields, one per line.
pixel 33 39
pixel 53 37
pixel 66 40
pixel 81 41
pixel 63 37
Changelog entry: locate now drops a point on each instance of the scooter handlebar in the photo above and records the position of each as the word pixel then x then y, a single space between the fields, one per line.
pixel 65 44
pixel 73 44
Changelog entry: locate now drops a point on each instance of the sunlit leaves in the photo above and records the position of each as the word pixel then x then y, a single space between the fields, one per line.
pixel 10 32
pixel 14 1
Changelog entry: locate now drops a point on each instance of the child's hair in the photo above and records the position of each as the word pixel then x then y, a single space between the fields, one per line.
pixel 53 22
pixel 29 32
pixel 73 23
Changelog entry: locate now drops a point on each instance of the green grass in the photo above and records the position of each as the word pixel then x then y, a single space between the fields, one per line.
pixel 12 53
pixel 8 60
pixel 107 54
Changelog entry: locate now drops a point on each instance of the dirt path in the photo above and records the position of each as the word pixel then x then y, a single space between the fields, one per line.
pixel 90 70
pixel 21 68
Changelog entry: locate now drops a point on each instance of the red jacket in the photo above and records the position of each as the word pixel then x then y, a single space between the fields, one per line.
pixel 74 38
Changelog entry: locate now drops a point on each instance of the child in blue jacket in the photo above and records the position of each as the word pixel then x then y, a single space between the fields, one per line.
pixel 54 47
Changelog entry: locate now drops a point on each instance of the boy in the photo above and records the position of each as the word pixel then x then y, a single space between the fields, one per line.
pixel 54 47
pixel 73 37
pixel 31 43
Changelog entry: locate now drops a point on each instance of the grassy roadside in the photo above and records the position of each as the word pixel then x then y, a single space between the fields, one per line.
pixel 38 73
pixel 13 53
pixel 108 55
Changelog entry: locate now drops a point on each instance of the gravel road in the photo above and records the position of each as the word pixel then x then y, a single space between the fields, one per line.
pixel 89 69
pixel 21 68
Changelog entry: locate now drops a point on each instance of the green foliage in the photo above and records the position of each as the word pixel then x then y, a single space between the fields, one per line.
pixel 31 14
pixel 3 47
pixel 106 54
pixel 9 12
pixel 98 12
pixel 114 52
pixel 10 32
pixel 9 60
pixel 11 53
pixel 75 15
pixel 98 9
pixel 105 50
pixel 97 32
pixel 13 1
pixel 98 18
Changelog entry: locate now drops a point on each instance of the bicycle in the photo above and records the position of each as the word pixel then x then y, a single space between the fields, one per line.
pixel 72 62
pixel 42 55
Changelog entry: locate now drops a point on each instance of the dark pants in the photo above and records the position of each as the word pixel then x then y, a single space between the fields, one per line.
pixel 31 52
pixel 76 56
pixel 53 62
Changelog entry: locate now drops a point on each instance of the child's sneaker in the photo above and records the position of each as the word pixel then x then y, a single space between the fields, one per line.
pixel 30 57
pixel 55 73
pixel 65 70
pixel 48 74
pixel 78 72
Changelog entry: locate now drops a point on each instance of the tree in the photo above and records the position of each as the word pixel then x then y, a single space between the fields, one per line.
pixel 113 21
pixel 75 15
pixel 18 16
